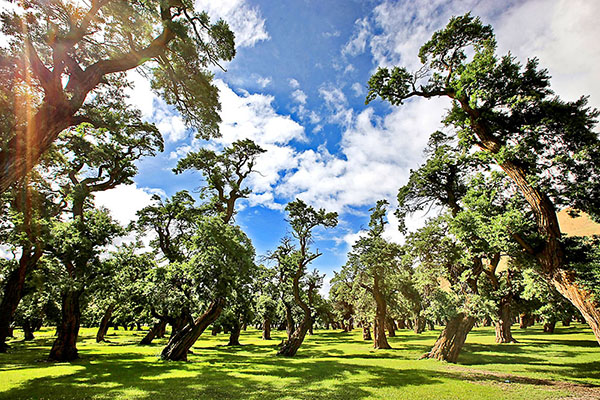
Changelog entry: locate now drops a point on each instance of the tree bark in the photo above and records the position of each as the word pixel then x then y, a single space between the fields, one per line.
pixel 266 331
pixel 179 344
pixel 290 347
pixel 290 326
pixel 401 324
pixel 104 323
pixel 391 327
pixel 566 321
pixel 366 328
pixel 65 345
pixel 526 320
pixel 27 331
pixel 419 324
pixel 451 340
pixel 13 292
pixel 549 327
pixel 156 329
pixel 234 335
pixel 504 322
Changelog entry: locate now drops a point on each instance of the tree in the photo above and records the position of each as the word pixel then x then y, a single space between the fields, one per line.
pixel 303 219
pixel 64 53
pixel 372 260
pixel 221 257
pixel 30 207
pixel 225 174
pixel 509 113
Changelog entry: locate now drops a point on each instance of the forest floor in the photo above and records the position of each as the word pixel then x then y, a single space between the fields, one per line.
pixel 329 365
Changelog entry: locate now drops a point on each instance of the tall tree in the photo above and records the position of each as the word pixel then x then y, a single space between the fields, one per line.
pixel 509 113
pixel 62 53
pixel 225 173
pixel 303 220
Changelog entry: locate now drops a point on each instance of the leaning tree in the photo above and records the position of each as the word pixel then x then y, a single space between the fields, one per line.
pixel 547 146
pixel 303 220
pixel 64 53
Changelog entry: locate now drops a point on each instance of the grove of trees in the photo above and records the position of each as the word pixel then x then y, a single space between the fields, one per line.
pixel 511 156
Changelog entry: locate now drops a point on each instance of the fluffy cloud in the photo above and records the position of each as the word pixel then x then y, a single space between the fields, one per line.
pixel 244 20
pixel 125 200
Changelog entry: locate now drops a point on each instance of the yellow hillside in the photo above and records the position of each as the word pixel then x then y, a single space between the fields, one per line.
pixel 580 226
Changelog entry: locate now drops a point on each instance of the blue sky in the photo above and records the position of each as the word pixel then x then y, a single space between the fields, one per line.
pixel 297 87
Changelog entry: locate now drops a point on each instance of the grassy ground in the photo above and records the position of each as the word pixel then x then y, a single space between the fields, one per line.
pixel 329 365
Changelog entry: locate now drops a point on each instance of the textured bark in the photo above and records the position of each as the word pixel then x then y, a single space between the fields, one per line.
pixel 13 292
pixel 104 323
pixel 266 329
pixel 391 327
pixel 451 340
pixel 290 347
pixel 65 345
pixel 504 322
pixel 419 324
pixel 380 340
pixel 526 320
pixel 549 327
pixel 179 344
pixel 234 335
pixel 290 326
pixel 366 328
pixel 156 329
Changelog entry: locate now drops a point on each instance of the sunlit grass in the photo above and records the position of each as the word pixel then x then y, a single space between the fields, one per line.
pixel 329 365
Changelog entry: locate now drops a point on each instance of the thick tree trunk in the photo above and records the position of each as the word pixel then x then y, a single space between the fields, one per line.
pixel 391 327
pixel 401 324
pixel 366 328
pixel 290 347
pixel 234 335
pixel 549 327
pixel 266 329
pixel 13 291
pixel 179 344
pixel 27 331
pixel 504 322
pixel 380 340
pixel 552 256
pixel 65 345
pixel 104 323
pixel 567 321
pixel 451 340
pixel 526 320
pixel 430 325
pixel 290 326
pixel 582 299
pixel 156 329
pixel 419 324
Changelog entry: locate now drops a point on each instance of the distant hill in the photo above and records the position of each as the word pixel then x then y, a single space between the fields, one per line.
pixel 580 226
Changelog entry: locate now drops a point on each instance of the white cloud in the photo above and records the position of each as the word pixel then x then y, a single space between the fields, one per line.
pixel 336 102
pixel 263 81
pixel 299 96
pixel 358 89
pixel 125 200
pixel 244 20
pixel 294 83
pixel 357 44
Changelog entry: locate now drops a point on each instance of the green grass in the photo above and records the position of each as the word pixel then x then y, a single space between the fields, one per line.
pixel 329 365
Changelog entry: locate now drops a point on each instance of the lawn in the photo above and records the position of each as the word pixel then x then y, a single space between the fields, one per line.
pixel 329 365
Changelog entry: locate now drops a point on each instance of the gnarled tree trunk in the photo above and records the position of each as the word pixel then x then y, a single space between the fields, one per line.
pixel 104 323
pixel 419 324
pixel 549 326
pixel 451 340
pixel 504 322
pixel 156 329
pixel 65 345
pixel 179 344
pixel 290 326
pixel 234 335
pixel 391 327
pixel 290 347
